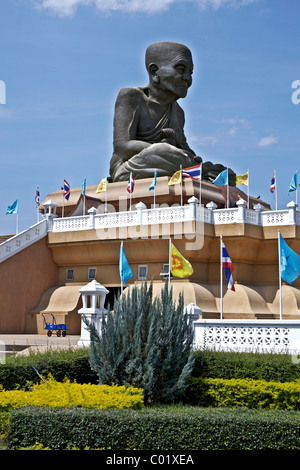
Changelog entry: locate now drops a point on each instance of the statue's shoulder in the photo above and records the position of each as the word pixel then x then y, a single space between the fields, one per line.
pixel 130 94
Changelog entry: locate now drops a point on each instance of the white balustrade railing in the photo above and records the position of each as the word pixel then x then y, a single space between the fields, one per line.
pixel 172 214
pixel 275 217
pixel 22 240
pixel 158 215
pixel 248 335
pixel 68 224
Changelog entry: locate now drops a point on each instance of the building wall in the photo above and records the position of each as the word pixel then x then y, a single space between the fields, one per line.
pixel 23 279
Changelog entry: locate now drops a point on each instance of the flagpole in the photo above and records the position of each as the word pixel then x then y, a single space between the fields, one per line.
pixel 248 189
pixel 169 283
pixel 130 192
pixel 181 185
pixel 63 204
pixel 154 188
pixel 227 189
pixel 200 186
pixel 106 198
pixel 275 190
pixel 121 270
pixel 280 282
pixel 17 222
pixel 84 197
pixel 221 279
pixel 297 187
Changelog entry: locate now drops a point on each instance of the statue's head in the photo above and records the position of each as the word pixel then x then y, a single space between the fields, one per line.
pixel 170 67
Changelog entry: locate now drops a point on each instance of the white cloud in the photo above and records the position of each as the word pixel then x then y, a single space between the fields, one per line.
pixel 233 131
pixel 266 141
pixel 236 121
pixel 208 140
pixel 67 8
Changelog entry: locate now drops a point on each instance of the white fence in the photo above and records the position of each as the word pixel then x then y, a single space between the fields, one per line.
pixel 22 240
pixel 248 335
pixel 192 211
pixel 143 216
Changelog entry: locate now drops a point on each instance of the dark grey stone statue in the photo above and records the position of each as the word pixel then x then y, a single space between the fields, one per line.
pixel 149 123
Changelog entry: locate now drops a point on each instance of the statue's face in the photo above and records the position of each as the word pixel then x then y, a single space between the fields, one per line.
pixel 175 75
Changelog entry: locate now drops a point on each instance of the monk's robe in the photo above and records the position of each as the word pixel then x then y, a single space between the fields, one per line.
pixel 173 119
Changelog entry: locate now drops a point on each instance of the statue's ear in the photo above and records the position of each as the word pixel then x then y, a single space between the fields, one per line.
pixel 153 68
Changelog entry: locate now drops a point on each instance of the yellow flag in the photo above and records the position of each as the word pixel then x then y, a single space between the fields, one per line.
pixel 180 267
pixel 242 179
pixel 176 178
pixel 102 186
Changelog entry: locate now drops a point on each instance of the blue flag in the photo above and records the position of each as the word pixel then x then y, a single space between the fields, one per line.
pixel 222 178
pixel 153 184
pixel 294 184
pixel 124 268
pixel 83 187
pixel 289 262
pixel 14 208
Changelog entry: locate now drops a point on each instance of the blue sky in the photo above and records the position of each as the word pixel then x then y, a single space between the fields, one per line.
pixel 64 61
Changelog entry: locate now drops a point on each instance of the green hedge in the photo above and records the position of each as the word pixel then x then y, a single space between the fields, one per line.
pixel 257 366
pixel 243 393
pixel 73 364
pixel 181 428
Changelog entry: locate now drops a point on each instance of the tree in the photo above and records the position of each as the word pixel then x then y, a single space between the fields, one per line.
pixel 145 342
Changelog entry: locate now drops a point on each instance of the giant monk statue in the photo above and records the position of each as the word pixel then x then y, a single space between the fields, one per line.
pixel 149 123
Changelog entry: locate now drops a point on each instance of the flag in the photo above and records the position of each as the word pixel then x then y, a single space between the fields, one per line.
pixel 124 268
pixel 66 190
pixel 153 184
pixel 242 179
pixel 14 208
pixel 273 184
pixel 228 267
pixel 176 178
pixel 83 187
pixel 294 183
pixel 37 197
pixel 180 267
pixel 289 262
pixel 222 178
pixel 102 186
pixel 130 185
pixel 193 172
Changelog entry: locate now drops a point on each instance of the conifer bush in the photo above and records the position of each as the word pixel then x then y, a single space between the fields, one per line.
pixel 146 342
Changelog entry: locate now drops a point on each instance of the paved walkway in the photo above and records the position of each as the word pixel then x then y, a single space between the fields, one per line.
pixel 25 343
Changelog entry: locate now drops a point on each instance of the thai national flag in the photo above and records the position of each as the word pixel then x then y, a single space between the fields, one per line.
pixel 228 267
pixel 193 172
pixel 37 197
pixel 273 184
pixel 130 185
pixel 66 190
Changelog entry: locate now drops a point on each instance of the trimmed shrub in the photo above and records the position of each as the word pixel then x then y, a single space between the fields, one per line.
pixel 235 365
pixel 184 428
pixel 73 364
pixel 71 394
pixel 243 393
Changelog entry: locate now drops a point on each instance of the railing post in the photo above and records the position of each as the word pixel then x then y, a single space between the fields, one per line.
pixel 211 206
pixel 140 206
pixel 92 212
pixel 51 214
pixel 259 208
pixel 292 207
pixel 193 201
pixel 241 204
